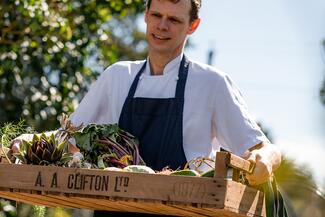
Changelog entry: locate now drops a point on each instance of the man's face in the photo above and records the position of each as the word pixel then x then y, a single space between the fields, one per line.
pixel 168 25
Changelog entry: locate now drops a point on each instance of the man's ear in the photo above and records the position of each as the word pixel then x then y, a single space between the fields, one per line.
pixel 193 26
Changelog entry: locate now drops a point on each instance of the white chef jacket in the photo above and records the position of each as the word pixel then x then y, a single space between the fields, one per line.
pixel 215 113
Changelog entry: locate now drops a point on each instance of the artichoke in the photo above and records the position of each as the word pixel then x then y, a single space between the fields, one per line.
pixel 44 150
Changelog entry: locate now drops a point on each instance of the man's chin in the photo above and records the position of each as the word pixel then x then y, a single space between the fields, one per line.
pixel 160 49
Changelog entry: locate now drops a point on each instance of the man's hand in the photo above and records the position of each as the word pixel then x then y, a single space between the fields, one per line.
pixel 266 158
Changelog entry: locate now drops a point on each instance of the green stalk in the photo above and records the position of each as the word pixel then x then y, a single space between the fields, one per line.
pixel 3 151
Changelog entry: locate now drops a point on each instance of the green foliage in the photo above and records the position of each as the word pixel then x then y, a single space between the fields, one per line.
pixel 39 211
pixel 50 51
pixel 26 210
pixel 9 131
pixel 106 145
pixel 289 172
pixel 7 208
pixel 298 185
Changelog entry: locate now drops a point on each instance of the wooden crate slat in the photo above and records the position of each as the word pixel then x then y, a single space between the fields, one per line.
pixel 107 183
pixel 248 201
pixel 124 191
pixel 150 206
pixel 45 200
pixel 160 208
pixel 182 210
pixel 223 213
pixel 239 163
pixel 200 211
pixel 70 202
pixel 100 204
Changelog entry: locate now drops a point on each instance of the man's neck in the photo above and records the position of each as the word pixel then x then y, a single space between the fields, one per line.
pixel 158 63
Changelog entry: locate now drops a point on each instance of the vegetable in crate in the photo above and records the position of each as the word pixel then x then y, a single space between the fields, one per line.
pixel 106 145
pixel 138 169
pixel 185 172
pixel 48 149
pixel 44 150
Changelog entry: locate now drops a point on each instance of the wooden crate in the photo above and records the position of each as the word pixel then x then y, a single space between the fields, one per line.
pixel 134 192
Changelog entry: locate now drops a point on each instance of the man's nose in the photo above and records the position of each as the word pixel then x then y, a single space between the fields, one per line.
pixel 163 24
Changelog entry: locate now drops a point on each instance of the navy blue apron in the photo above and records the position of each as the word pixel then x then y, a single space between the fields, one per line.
pixel 158 124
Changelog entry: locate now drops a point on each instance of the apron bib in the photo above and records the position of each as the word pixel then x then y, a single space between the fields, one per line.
pixel 157 123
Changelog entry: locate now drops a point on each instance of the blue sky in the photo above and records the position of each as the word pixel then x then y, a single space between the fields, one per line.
pixel 272 49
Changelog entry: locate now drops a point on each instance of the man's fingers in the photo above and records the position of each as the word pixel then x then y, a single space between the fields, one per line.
pixel 250 179
pixel 260 174
pixel 251 157
pixel 73 148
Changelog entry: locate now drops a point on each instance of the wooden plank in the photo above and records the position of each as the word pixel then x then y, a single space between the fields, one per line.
pixel 248 201
pixel 197 211
pixel 70 201
pixel 235 175
pixel 149 206
pixel 123 191
pixel 109 205
pixel 108 183
pixel 221 165
pixel 163 209
pixel 96 204
pixel 239 163
pixel 223 213
pixel 224 160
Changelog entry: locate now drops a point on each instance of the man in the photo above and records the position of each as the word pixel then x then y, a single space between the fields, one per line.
pixel 174 106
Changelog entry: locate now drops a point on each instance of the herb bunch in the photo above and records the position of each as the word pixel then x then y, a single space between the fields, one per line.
pixel 107 145
pixel 10 131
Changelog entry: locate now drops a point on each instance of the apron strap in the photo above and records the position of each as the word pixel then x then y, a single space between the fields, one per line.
pixel 136 80
pixel 182 76
pixel 180 87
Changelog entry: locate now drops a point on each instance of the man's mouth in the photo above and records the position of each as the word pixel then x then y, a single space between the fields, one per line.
pixel 160 37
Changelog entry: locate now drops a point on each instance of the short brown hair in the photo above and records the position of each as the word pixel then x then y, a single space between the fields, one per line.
pixel 194 13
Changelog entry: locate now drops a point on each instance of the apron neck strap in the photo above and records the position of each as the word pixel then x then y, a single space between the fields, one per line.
pixel 136 80
pixel 182 76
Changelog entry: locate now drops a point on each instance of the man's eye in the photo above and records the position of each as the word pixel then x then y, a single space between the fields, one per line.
pixel 173 20
pixel 155 15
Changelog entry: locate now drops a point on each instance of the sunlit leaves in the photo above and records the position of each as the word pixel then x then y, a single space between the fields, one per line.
pixel 50 51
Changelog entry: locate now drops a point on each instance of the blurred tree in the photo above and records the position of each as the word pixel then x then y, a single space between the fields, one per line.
pixel 298 186
pixel 50 51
